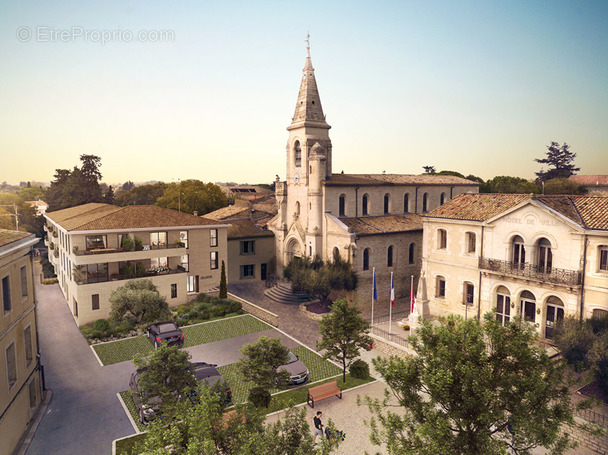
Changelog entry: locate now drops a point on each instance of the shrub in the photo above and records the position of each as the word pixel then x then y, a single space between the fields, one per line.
pixel 204 315
pixel 259 397
pixel 218 310
pixel 599 325
pixel 359 369
pixel 598 359
pixel 233 306
pixel 101 325
pixel 127 244
pixel 406 327
pixel 204 298
pixel 574 339
pixel 138 244
pixel 50 281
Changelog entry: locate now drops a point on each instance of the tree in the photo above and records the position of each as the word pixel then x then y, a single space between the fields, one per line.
pixel 141 195
pixel 260 364
pixel 223 290
pixel 189 196
pixel 128 185
pixel 559 160
pixel 165 379
pixel 141 299
pixel 563 186
pixel 473 387
pixel 429 169
pixel 343 334
pixel 76 187
pixel 318 279
pixel 108 197
pixel 509 185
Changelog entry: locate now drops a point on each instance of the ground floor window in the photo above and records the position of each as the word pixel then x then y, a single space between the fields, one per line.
pixel 555 313
pixel 503 308
pixel 440 287
pixel 190 284
pixel 528 306
pixel 468 293
pixel 248 271
pixel 11 365
pixel 33 393
pixel 95 302
pixel 213 260
pixel 174 290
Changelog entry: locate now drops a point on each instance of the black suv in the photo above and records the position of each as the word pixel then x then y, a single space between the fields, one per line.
pixel 165 331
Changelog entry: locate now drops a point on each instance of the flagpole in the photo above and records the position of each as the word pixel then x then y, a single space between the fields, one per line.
pixel 390 308
pixel 373 293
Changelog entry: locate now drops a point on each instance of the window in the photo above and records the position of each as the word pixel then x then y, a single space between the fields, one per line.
pixel 213 237
pixel 387 200
pixel 519 252
pixel 365 198
pixel 503 305
pixel 97 273
pixel 411 254
pixel 336 254
pixel 158 240
pixel 528 306
pixel 183 237
pixel 29 352
pixel 406 203
pixel 157 263
pixel 468 293
pixel 11 366
pixel 185 263
pixel 545 257
pixel 555 314
pixel 471 241
pixel 248 271
pixel 190 284
pixel 95 302
pixel 32 393
pixel 95 242
pixel 174 290
pixel 366 259
pixel 248 247
pixel 442 199
pixel 6 294
pixel 600 314
pixel 603 258
pixel 342 205
pixel 389 256
pixel 297 213
pixel 440 287
pixel 442 239
pixel 23 273
pixel 213 260
pixel 425 202
pixel 297 154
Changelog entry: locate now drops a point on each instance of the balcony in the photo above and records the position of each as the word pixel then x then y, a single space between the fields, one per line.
pixel 90 278
pixel 532 272
pixel 79 252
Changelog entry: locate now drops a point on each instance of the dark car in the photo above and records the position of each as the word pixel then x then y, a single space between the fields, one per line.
pixel 165 332
pixel 298 373
pixel 202 371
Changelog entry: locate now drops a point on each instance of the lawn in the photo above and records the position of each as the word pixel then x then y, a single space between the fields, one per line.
pixel 119 351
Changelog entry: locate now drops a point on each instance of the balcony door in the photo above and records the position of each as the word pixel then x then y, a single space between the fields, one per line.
pixel 528 306
pixel 519 252
pixel 545 257
pixel 555 313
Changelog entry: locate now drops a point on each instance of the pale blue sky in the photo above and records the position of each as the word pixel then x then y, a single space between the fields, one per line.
pixel 477 87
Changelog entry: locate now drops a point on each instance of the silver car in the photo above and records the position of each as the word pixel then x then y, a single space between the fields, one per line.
pixel 298 373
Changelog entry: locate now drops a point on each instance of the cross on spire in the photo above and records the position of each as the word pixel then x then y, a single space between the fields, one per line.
pixel 307 44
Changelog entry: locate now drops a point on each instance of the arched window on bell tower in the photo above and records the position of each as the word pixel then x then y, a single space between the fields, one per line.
pixel 297 154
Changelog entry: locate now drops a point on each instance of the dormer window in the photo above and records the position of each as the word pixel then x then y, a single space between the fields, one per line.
pixel 298 154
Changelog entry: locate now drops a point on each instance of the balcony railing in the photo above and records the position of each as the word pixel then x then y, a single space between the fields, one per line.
pixel 102 278
pixel 79 252
pixel 530 271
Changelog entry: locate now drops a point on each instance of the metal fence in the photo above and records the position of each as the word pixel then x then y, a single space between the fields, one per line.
pixel 394 317
pixel 390 337
pixel 592 416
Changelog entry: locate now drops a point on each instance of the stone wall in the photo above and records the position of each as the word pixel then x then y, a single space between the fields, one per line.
pixel 598 443
pixel 264 315
pixel 390 348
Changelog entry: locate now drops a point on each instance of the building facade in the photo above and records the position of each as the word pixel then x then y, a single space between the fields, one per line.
pixel 20 377
pixel 538 257
pixel 95 247
pixel 370 220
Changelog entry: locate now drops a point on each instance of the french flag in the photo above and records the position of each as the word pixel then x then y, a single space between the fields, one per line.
pixel 392 291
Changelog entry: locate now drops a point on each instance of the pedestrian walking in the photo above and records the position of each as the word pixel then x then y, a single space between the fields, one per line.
pixel 318 426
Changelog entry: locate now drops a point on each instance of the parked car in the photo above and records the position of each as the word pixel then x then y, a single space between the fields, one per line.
pixel 202 371
pixel 167 331
pixel 296 369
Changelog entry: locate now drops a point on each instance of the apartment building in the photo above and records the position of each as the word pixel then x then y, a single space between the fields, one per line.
pixel 20 381
pixel 95 247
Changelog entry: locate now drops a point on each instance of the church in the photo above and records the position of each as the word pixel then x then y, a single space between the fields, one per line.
pixel 370 220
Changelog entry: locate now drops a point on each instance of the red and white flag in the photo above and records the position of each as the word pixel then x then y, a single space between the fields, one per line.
pixel 392 291
pixel 412 297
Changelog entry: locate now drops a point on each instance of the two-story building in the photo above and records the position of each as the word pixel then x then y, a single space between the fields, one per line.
pixel 20 381
pixel 539 257
pixel 95 247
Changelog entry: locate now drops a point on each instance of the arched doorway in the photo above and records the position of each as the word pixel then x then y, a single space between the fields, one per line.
pixel 527 306
pixel 294 250
pixel 555 313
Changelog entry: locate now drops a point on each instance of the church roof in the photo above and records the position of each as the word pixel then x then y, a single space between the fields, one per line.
pixel 396 179
pixel 308 107
pixel 590 212
pixel 8 236
pixel 590 180
pixel 373 225
pixel 97 216
pixel 246 228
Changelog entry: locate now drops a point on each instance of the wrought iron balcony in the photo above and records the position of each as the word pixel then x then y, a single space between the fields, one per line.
pixel 533 272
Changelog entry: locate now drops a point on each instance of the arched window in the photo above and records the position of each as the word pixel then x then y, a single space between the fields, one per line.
pixel 389 256
pixel 365 204
pixel 297 153
pixel 297 208
pixel 503 305
pixel 527 306
pixel 555 313
pixel 342 204
pixel 442 239
pixel 387 200
pixel 425 202
pixel 519 252
pixel 336 254
pixel 471 242
pixel 406 203
pixel 545 257
pixel 442 199
pixel 366 259
pixel 440 287
pixel 468 293
pixel 411 253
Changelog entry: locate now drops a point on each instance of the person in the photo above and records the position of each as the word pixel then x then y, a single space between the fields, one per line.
pixel 318 425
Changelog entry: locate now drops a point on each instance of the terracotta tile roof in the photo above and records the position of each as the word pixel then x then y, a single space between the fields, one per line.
pixel 246 228
pixel 261 210
pixel 96 216
pixel 587 211
pixel 227 212
pixel 396 179
pixel 371 225
pixel 590 180
pixel 7 236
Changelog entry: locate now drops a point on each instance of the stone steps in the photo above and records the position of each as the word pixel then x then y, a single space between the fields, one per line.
pixel 282 293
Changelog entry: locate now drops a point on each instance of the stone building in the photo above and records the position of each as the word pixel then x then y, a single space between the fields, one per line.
pixel 95 247
pixel 539 257
pixel 371 220
pixel 20 377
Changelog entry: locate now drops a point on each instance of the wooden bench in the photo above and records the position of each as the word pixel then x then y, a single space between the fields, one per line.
pixel 319 392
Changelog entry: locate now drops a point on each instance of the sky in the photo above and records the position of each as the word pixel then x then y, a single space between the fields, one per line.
pixel 205 89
